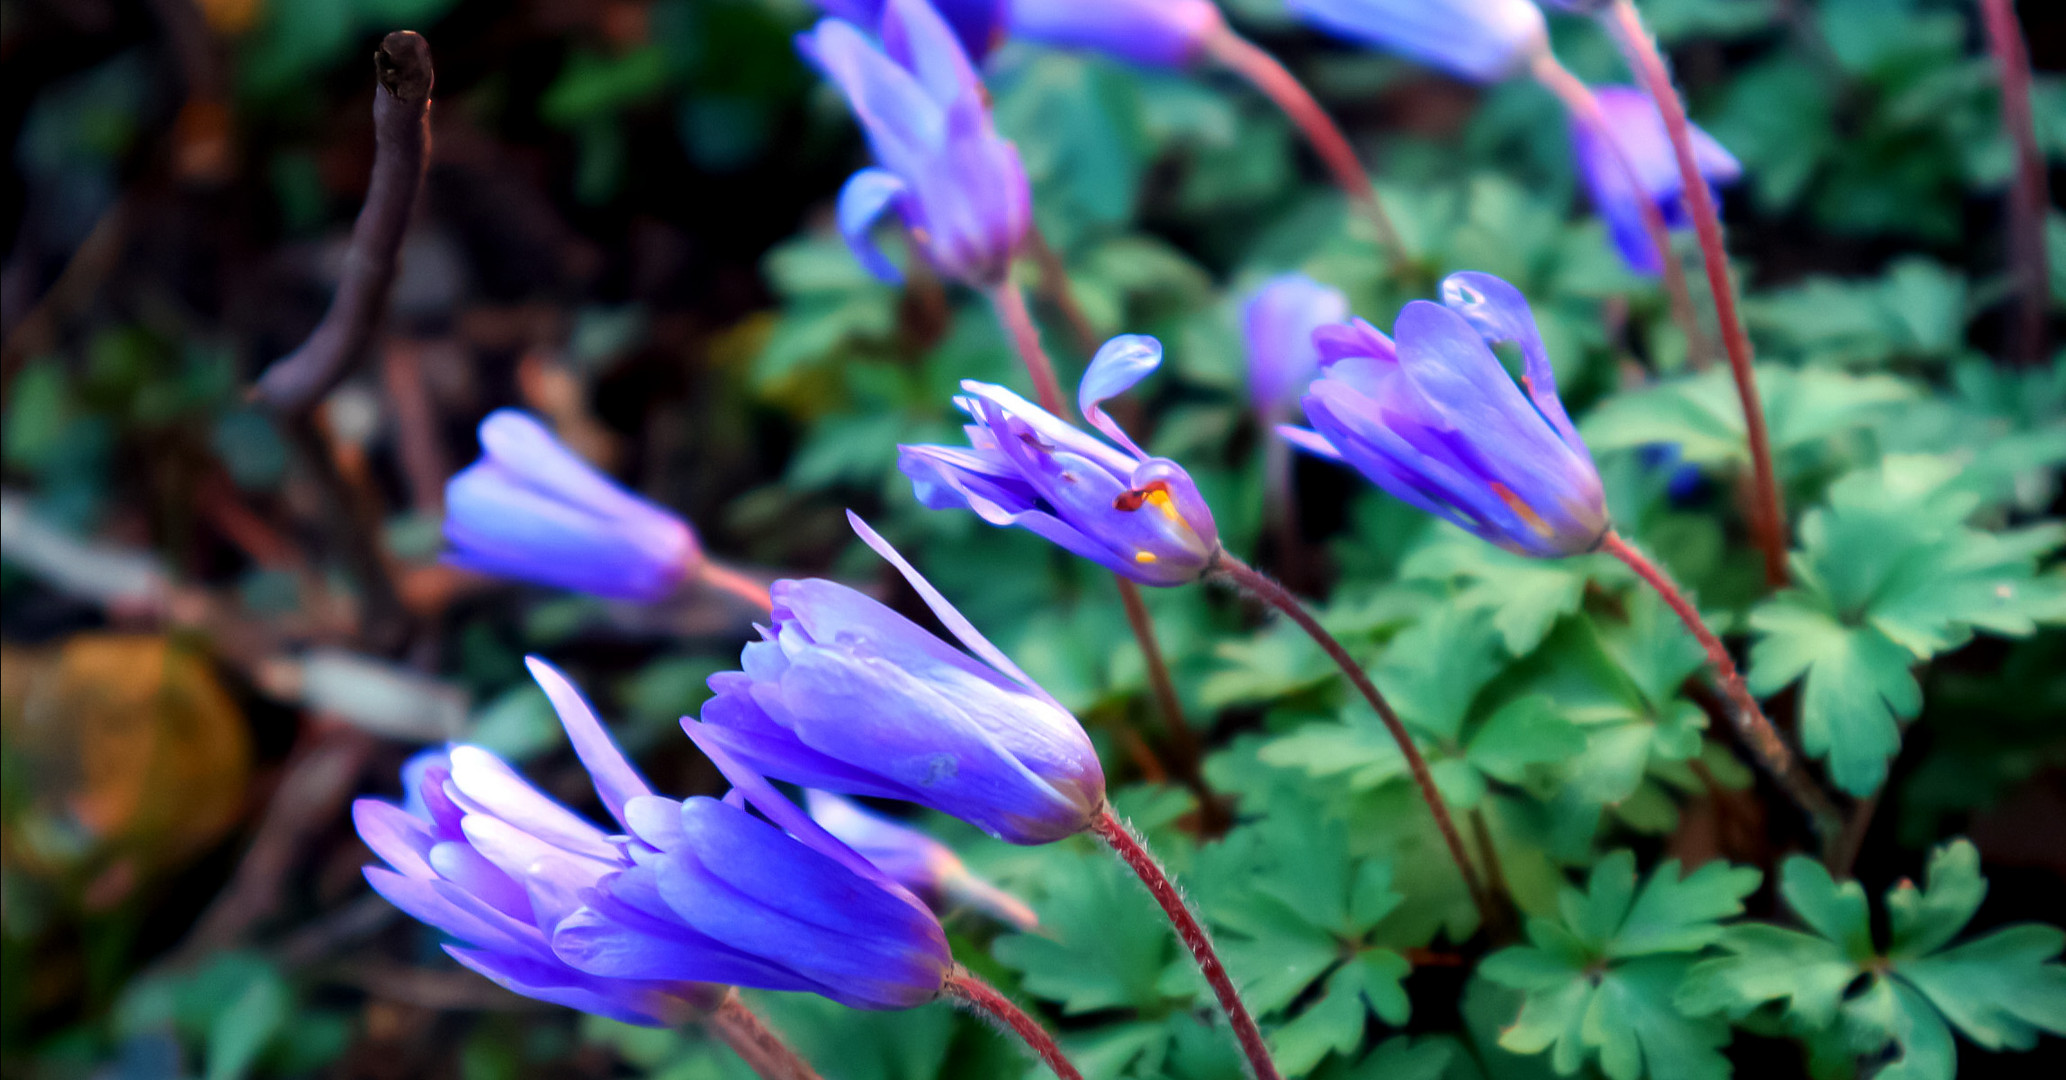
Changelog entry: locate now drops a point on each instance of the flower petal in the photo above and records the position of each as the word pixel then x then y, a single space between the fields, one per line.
pixel 1119 364
pixel 866 196
pixel 616 781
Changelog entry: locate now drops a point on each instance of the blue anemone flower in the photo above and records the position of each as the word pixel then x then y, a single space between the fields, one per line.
pixel 1480 40
pixel 1435 420
pixel 644 926
pixel 1154 33
pixel 1277 324
pixel 846 695
pixel 1637 128
pixel 957 185
pixel 529 509
pixel 1140 516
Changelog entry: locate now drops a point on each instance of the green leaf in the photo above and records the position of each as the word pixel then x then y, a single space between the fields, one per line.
pixel 1526 596
pixel 1857 689
pixel 1102 943
pixel 2000 990
pixel 1922 922
pixel 1770 963
pixel 1704 416
pixel 1526 731
pixel 1433 670
pixel 1889 1012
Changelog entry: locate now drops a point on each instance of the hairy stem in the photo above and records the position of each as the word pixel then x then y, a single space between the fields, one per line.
pixel 983 998
pixel 1268 75
pixel 1584 107
pixel 757 1045
pixel 1749 717
pixel 1142 862
pixel 2027 201
pixel 1768 519
pixel 1249 579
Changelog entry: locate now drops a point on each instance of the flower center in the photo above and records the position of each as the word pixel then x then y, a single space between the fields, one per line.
pixel 1155 494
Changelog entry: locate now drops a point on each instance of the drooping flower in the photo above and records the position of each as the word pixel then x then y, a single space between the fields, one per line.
pixel 645 926
pixel 529 509
pixel 1435 420
pixel 1156 33
pixel 846 695
pixel 1140 516
pixel 1480 40
pixel 1277 323
pixel 1637 128
pixel 977 24
pixel 914 860
pixel 940 164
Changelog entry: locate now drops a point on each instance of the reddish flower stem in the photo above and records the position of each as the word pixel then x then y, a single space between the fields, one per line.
pixel 725 579
pixel 1025 337
pixel 1584 107
pixel 1135 854
pixel 1749 717
pixel 1269 76
pixel 966 988
pixel 1213 818
pixel 1768 516
pixel 1253 581
pixel 2027 201
pixel 757 1045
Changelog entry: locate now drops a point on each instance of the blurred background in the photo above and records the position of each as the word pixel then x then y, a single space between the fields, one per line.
pixel 626 230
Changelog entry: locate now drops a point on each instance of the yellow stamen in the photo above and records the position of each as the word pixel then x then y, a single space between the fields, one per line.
pixel 1144 556
pixel 1528 514
pixel 1160 499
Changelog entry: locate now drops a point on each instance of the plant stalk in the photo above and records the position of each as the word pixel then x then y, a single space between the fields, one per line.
pixel 1135 854
pixel 757 1045
pixel 966 988
pixel 1253 581
pixel 1751 723
pixel 1274 81
pixel 1025 337
pixel 727 580
pixel 1768 519
pixel 1584 107
pixel 2028 199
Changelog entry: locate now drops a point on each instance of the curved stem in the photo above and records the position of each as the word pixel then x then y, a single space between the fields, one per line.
pixel 1025 340
pixel 1268 75
pixel 1141 861
pixel 725 579
pixel 1768 520
pixel 757 1045
pixel 980 996
pixel 1584 106
pixel 1183 742
pixel 1751 723
pixel 2028 199
pixel 1255 582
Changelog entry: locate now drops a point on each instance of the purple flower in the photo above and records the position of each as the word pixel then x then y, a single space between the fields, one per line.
pixel 1277 322
pixel 643 926
pixel 914 860
pixel 942 167
pixel 1636 126
pixel 844 694
pixel 977 24
pixel 1436 421
pixel 1140 516
pixel 529 509
pixel 1156 33
pixel 1480 40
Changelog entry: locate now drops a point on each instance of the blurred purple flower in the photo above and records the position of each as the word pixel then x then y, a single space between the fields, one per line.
pixel 1156 33
pixel 914 860
pixel 641 927
pixel 1140 516
pixel 958 186
pixel 1636 126
pixel 1277 323
pixel 529 509
pixel 1436 420
pixel 977 24
pixel 1480 40
pixel 844 694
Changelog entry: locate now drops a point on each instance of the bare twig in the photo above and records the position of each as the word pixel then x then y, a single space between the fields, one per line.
pixel 401 132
